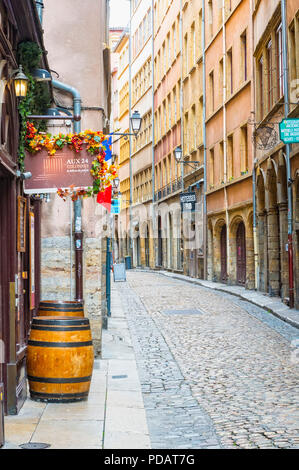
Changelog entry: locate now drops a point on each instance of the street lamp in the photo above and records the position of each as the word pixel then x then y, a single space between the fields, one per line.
pixel 178 153
pixel 115 183
pixel 20 82
pixel 135 122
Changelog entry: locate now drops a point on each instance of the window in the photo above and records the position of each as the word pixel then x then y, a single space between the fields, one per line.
pixel 200 120
pixel 173 41
pixel 230 71
pixel 169 112
pixel 211 86
pixel 212 167
pixel 193 45
pixel 168 50
pixel 221 166
pixel 164 59
pixel 230 157
pixel 186 133
pixel 244 56
pixel 221 80
pixel 292 52
pixel 200 33
pixel 270 75
pixel 186 54
pixel 279 65
pixel 244 149
pixel 194 143
pixel 210 17
pixel 261 86
pixel 174 105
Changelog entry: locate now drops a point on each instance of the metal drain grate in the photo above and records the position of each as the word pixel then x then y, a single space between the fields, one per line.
pixel 119 376
pixel 183 312
pixel 35 445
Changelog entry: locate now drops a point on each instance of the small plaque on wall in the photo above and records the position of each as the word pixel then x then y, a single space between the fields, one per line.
pixel 21 236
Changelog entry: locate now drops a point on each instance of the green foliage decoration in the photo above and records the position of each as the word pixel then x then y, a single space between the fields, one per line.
pixel 38 97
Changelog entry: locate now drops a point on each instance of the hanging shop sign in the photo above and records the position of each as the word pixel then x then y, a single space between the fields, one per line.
pixel 289 131
pixel 188 201
pixel 63 170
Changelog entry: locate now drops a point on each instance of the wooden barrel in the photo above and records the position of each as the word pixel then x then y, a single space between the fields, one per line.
pixel 59 359
pixel 57 308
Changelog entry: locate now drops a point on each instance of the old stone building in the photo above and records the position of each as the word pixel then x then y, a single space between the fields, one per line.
pixel 276 191
pixel 80 63
pixel 229 149
pixel 218 94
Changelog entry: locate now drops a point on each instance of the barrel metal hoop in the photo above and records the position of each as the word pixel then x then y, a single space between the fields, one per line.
pixel 70 322
pixel 55 380
pixel 60 304
pixel 47 344
pixel 47 328
pixel 57 309
pixel 58 395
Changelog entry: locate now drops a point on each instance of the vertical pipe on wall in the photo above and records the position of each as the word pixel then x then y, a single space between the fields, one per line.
pixel 205 219
pixel 77 204
pixel 181 234
pixel 153 140
pixel 288 164
pixel 130 137
pixel 224 135
pixel 255 245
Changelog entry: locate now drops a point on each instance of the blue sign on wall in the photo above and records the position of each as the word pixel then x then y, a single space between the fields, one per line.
pixel 115 206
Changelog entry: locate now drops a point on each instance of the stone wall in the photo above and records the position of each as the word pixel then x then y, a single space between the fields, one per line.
pixel 57 266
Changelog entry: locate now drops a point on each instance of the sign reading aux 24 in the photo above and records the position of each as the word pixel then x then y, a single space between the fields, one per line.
pixel 188 201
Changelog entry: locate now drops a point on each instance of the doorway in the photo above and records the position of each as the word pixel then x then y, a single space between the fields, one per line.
pixel 223 254
pixel 241 254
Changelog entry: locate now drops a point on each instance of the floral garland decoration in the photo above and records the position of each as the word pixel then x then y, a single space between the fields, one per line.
pixel 102 173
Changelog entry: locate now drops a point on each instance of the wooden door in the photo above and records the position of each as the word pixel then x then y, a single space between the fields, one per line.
pixel 147 248
pixel 241 254
pixel 160 245
pixel 223 254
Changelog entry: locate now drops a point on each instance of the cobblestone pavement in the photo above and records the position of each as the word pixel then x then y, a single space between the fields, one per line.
pixel 226 377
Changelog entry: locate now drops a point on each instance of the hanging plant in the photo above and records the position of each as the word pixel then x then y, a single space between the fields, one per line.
pixel 38 97
pixel 102 173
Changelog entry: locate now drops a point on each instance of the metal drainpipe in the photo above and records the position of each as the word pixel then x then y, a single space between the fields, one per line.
pixel 77 204
pixel 255 245
pixel 182 132
pixel 288 165
pixel 130 137
pixel 224 136
pixel 205 227
pixel 153 142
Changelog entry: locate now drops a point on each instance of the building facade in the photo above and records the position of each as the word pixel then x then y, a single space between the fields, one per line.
pixel 220 70
pixel 228 141
pixel 19 214
pixel 276 95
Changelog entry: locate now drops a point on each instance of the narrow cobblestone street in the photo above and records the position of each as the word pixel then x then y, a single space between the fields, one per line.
pixel 215 371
